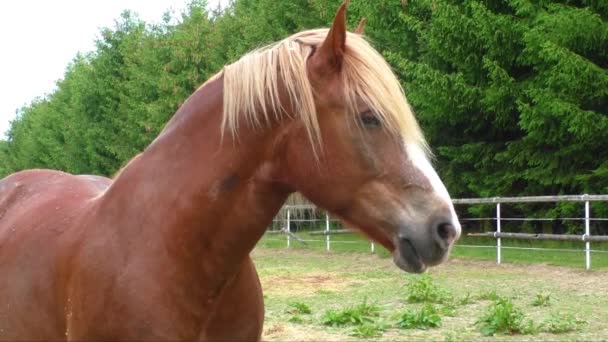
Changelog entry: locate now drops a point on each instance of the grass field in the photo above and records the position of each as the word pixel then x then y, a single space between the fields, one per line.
pixel 564 253
pixel 567 300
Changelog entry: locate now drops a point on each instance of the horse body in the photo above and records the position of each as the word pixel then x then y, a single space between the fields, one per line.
pixel 98 254
pixel 161 252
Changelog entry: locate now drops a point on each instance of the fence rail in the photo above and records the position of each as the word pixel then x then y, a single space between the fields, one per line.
pixel 533 199
pixel 554 237
pixel 587 238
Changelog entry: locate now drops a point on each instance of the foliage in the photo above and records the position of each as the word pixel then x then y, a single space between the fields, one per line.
pixel 448 309
pixel 426 318
pixel 490 295
pixel 561 323
pixel 296 319
pixel 466 300
pixel 542 300
pixel 422 289
pixel 357 315
pixel 299 308
pixel 511 94
pixel 368 330
pixel 502 317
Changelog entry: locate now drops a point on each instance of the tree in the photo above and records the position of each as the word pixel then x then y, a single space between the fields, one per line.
pixel 511 94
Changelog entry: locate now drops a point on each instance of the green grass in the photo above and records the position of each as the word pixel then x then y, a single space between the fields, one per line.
pixel 354 296
pixel 562 323
pixel 467 248
pixel 423 290
pixel 503 317
pixel 299 308
pixel 369 330
pixel 357 315
pixel 542 300
pixel 426 318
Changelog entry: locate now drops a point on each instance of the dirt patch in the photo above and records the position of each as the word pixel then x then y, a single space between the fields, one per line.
pixel 303 284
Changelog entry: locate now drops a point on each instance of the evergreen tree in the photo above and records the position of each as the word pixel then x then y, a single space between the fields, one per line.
pixel 511 94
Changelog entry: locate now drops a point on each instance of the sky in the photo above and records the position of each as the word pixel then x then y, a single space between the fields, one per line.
pixel 38 38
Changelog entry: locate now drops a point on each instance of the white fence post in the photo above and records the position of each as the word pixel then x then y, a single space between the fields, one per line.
pixel 373 247
pixel 587 234
pixel 498 242
pixel 327 232
pixel 288 228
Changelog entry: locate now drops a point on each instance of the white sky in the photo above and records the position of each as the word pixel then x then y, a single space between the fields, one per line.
pixel 38 38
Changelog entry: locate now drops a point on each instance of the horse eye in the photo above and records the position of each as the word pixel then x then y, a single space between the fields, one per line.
pixel 369 119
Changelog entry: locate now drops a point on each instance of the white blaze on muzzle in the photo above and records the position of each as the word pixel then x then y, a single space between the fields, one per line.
pixel 420 161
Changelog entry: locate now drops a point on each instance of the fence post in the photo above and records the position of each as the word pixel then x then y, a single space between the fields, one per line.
pixel 288 228
pixel 327 231
pixel 372 247
pixel 587 234
pixel 498 241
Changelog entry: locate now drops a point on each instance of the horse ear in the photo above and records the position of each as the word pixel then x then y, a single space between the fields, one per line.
pixel 330 54
pixel 361 27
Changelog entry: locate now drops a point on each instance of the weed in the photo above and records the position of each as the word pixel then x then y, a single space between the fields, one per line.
pixel 491 295
pixel 296 319
pixel 448 309
pixel 358 315
pixel 450 336
pixel 466 300
pixel 423 290
pixel 502 317
pixel 299 308
pixel 424 319
pixel 542 300
pixel 325 293
pixel 368 330
pixel 559 324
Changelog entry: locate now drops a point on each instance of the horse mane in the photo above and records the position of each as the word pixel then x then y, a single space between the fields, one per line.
pixel 251 86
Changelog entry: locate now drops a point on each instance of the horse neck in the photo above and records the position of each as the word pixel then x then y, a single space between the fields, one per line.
pixel 199 200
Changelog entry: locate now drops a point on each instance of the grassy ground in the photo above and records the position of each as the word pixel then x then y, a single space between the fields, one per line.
pixel 325 281
pixel 565 253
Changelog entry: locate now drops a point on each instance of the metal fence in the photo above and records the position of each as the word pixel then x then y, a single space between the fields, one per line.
pixel 293 219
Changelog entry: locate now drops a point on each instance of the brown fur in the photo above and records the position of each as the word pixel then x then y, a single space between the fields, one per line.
pixel 162 251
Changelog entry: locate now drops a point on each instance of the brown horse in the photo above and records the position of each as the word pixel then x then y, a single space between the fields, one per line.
pixel 162 251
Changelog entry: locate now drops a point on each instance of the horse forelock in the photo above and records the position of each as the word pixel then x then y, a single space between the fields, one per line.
pixel 251 86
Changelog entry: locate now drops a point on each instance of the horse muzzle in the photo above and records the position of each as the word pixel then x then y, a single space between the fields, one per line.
pixel 419 247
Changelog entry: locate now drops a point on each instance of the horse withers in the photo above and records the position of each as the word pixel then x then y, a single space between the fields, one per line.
pixel 161 252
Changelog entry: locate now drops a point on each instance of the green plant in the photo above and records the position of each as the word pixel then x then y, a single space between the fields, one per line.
pixel 559 324
pixel 423 290
pixel 368 330
pixel 358 315
pixel 450 336
pixel 490 295
pixel 296 319
pixel 299 308
pixel 466 300
pixel 448 309
pixel 424 319
pixel 324 293
pixel 502 317
pixel 542 300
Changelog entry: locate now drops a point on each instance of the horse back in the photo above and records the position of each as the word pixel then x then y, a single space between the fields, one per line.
pixel 24 194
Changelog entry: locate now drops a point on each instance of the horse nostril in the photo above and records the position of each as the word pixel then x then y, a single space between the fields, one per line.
pixel 446 233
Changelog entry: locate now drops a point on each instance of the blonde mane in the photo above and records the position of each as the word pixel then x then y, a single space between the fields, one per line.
pixel 251 86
